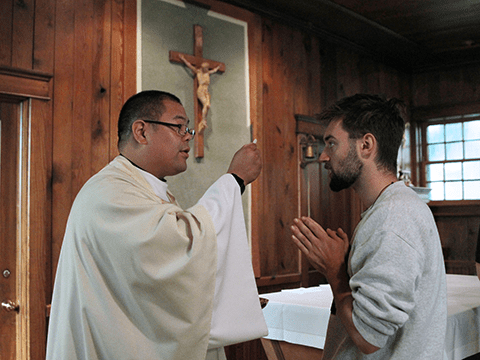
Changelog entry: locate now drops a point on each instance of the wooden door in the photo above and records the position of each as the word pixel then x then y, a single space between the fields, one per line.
pixel 10 113
pixel 25 202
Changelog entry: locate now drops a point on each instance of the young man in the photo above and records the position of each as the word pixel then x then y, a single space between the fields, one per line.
pixel 389 289
pixel 141 278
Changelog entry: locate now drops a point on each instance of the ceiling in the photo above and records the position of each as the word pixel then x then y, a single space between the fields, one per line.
pixel 413 35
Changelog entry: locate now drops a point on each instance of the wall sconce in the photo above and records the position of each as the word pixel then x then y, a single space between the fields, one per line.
pixel 310 150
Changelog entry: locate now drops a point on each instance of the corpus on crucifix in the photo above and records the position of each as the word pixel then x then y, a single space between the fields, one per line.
pixel 203 79
pixel 202 69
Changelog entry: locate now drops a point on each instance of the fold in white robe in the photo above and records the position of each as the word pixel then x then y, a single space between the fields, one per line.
pixel 138 277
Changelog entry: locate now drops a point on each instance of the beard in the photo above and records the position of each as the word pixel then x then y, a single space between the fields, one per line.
pixel 349 169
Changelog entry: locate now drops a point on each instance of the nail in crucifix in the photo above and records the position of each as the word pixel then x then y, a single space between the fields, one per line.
pixel 202 68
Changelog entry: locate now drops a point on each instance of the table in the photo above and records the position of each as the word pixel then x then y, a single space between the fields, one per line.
pixel 297 319
pixel 463 323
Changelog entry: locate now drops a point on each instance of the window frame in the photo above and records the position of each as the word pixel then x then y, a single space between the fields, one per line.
pixel 421 117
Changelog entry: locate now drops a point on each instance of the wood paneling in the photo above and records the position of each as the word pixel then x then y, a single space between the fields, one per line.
pixel 278 254
pixel 40 227
pixel 303 75
pixel 73 63
pixel 446 87
pixel 440 93
pixel 88 46
pixel 94 74
pixel 27 34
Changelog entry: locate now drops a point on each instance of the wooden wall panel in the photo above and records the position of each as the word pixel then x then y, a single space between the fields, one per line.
pixel 40 227
pixel 291 79
pixel 44 25
pixel 27 34
pixel 94 75
pixel 62 131
pixel 444 87
pixel 101 70
pixel 89 47
pixel 277 254
pixel 23 34
pixel 6 28
pixel 459 241
pixel 302 75
pixel 458 223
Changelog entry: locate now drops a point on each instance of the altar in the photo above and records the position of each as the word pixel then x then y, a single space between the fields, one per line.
pixel 297 320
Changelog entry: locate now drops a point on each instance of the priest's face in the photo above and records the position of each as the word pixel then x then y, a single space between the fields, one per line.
pixel 340 157
pixel 168 150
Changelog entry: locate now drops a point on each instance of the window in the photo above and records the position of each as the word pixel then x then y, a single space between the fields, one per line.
pixel 452 166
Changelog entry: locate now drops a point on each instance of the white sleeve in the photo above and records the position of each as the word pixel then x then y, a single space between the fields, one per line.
pixel 237 315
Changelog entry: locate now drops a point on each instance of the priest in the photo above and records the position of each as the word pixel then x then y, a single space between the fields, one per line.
pixel 138 276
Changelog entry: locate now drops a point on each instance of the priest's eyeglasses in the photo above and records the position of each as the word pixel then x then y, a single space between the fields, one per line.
pixel 181 128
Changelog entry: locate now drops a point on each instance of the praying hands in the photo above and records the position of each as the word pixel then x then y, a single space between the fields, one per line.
pixel 325 249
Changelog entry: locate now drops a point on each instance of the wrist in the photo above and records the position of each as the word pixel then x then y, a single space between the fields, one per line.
pixel 240 182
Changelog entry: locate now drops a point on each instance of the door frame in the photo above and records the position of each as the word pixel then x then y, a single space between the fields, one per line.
pixel 33 91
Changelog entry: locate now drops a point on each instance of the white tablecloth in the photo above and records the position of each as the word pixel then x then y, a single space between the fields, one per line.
pixel 300 316
pixel 463 324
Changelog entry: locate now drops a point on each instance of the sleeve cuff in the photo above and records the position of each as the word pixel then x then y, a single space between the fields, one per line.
pixel 240 182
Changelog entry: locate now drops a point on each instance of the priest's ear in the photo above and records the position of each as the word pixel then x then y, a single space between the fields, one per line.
pixel 138 132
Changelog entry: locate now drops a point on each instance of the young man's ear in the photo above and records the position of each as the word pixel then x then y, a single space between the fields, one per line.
pixel 367 145
pixel 138 132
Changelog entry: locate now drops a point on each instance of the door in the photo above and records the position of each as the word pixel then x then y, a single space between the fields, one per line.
pixel 24 226
pixel 10 116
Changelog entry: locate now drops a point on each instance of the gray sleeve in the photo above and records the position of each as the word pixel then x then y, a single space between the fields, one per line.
pixel 384 273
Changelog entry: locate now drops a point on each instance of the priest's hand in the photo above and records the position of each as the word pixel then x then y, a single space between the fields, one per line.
pixel 246 163
pixel 325 249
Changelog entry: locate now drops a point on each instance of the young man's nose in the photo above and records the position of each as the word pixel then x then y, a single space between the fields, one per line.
pixel 323 157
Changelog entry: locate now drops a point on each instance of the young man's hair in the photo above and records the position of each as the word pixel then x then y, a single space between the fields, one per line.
pixel 365 113
pixel 146 105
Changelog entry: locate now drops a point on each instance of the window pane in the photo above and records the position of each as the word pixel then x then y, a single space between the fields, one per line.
pixel 472 190
pixel 471 170
pixel 453 132
pixel 453 190
pixel 435 172
pixel 435 134
pixel 453 171
pixel 436 152
pixel 454 151
pixel 472 149
pixel 472 130
pixel 437 191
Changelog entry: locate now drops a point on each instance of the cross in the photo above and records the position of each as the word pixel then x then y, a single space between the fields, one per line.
pixel 196 60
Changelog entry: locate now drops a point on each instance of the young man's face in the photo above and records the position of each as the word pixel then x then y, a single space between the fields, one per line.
pixel 340 157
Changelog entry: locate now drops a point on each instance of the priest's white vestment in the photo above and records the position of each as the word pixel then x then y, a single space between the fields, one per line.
pixel 140 278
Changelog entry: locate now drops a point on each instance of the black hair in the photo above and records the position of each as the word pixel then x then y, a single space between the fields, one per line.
pixel 365 113
pixel 148 105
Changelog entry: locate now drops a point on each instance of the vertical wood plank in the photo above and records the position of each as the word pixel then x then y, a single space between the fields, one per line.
pixel 62 123
pixel 44 36
pixel 256 118
pixel 101 70
pixel 129 21
pixel 314 77
pixel 22 35
pixel 40 225
pixel 123 62
pixel 83 94
pixel 268 249
pixel 6 27
pixel 280 144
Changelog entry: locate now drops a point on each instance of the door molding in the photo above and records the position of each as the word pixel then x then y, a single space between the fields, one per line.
pixel 32 91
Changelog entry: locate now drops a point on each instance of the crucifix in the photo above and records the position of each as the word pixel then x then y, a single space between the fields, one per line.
pixel 202 68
